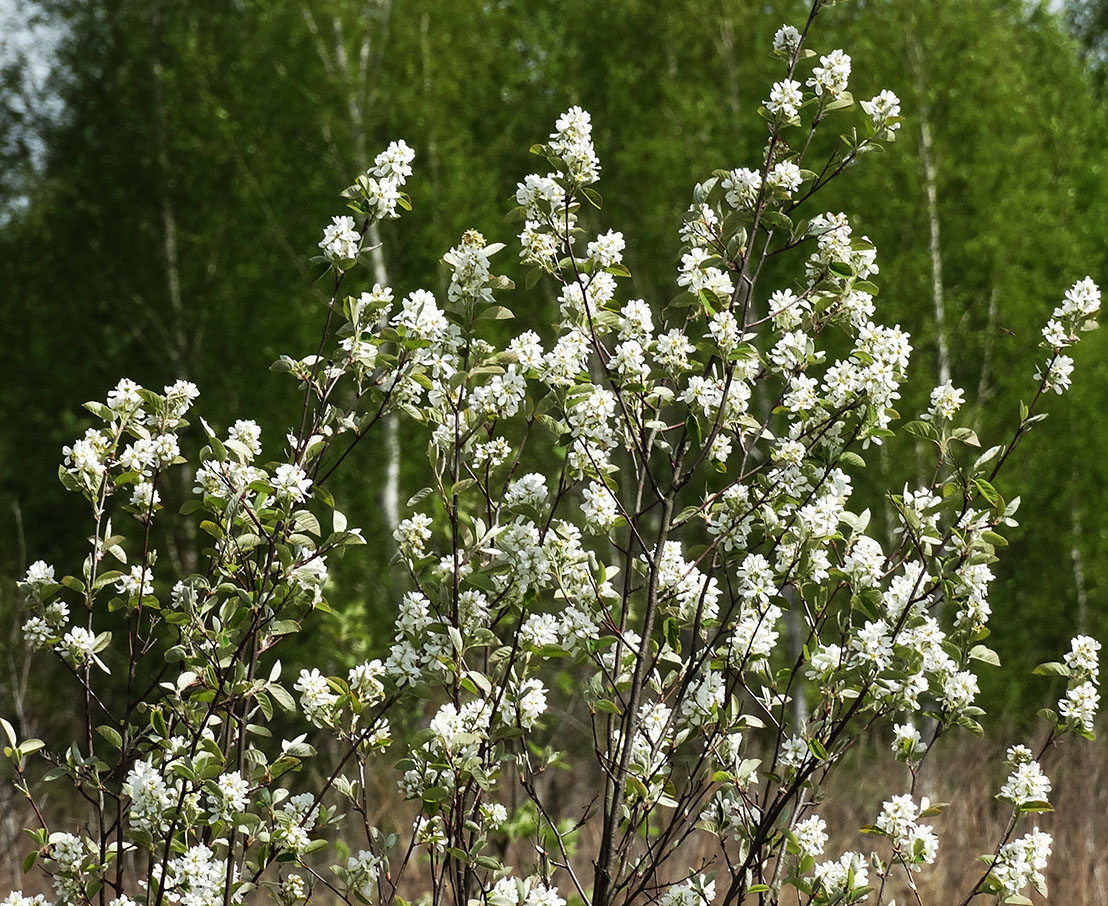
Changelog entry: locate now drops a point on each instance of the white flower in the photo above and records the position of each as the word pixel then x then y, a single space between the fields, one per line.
pixel 39 573
pixel 316 697
pixel 150 798
pixel 1058 374
pixel 16 898
pixel 365 681
pixel 249 434
pixel 36 632
pixel 412 534
pixel 362 872
pixel 743 186
pixel 1080 705
pixel 572 142
pixel 125 397
pixel 530 702
pixel 599 506
pixel 832 74
pixel 907 743
pixel 785 99
pixel 881 109
pixel 231 796
pixel 57 614
pixel 607 249
pixel 811 836
pixel 1082 658
pixel 946 399
pixel 539 630
pixel 77 645
pixel 1026 783
pixel 672 351
pixel 1022 862
pixel 834 876
pixel 959 690
pixel 785 177
pixel 541 895
pixel 290 483
pixel 340 239
pixel 786 40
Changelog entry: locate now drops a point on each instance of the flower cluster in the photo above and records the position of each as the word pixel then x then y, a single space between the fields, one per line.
pixel 644 526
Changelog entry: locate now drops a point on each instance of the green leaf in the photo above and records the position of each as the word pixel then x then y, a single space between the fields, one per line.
pixel 282 696
pixel 778 221
pixel 966 436
pixel 987 491
pixel 985 655
pixel 419 495
pixel 1052 668
pixel 111 735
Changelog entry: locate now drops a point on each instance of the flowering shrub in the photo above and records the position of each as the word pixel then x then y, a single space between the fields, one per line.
pixel 656 504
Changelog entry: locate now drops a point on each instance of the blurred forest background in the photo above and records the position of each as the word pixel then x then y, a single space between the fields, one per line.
pixel 166 168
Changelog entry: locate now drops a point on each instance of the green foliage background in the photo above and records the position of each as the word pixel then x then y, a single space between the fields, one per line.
pixel 164 231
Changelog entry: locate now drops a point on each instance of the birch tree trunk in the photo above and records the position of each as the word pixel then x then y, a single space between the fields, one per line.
pixel 353 73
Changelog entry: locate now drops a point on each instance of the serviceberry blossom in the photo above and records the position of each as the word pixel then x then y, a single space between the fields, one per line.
pixel 572 142
pixel 606 250
pixel 786 40
pixel 672 351
pixel 811 836
pixel 362 871
pixel 907 743
pixel 743 186
pixel 696 891
pixel 137 583
pixel 530 702
pixel 38 574
pixel 469 266
pixel 785 99
pixel 340 240
pixel 395 162
pixel 528 491
pixel 316 696
pixel 1022 862
pixel 785 178
pixel 898 822
pixel 125 397
pixel 37 632
pixel 831 76
pixel 1058 374
pixel 834 876
pixel 946 400
pixel 230 796
pixel 1080 705
pixel 884 111
pixel 86 459
pixel 290 483
pixel 248 434
pixel 17 898
pixel 77 645
pixel 150 797
pixel 1083 658
pixel 697 275
pixel 1027 783
pixel 959 689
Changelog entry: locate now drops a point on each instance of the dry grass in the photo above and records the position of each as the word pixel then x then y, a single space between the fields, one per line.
pixel 964 772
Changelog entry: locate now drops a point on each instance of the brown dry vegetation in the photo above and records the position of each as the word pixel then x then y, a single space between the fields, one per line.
pixel 964 772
